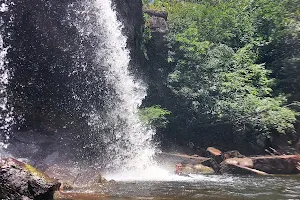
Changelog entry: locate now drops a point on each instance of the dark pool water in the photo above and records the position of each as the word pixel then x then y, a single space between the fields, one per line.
pixel 211 187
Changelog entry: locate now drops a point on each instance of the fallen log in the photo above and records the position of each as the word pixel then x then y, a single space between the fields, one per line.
pixel 255 171
pixel 230 166
pixel 213 151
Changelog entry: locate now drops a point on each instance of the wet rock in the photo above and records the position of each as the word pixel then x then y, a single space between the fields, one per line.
pixel 232 154
pixel 196 169
pixel 216 158
pixel 100 179
pixel 22 181
pixel 203 169
pixel 66 186
pixel 236 166
pixel 286 164
pixel 156 52
pixel 103 181
pixel 159 28
pixel 130 13
pixel 244 162
pixel 64 174
pixel 212 164
pixel 161 14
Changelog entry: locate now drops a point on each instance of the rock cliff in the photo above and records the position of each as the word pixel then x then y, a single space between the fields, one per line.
pixel 131 15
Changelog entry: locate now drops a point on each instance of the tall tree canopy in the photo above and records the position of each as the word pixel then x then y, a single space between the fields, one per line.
pixel 235 63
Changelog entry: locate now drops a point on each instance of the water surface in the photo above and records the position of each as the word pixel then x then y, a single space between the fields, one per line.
pixel 203 188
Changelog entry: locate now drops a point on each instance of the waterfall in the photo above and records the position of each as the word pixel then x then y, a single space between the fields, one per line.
pixel 128 141
pixel 5 111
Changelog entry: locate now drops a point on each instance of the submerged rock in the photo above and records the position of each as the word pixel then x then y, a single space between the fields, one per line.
pixel 22 181
pixel 101 179
pixel 196 169
pixel 203 169
pixel 66 186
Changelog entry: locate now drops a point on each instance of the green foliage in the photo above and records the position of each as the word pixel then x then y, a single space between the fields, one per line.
pixel 154 116
pixel 225 55
pixel 146 34
pixel 158 5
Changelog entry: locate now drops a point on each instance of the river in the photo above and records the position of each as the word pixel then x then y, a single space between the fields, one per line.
pixel 202 187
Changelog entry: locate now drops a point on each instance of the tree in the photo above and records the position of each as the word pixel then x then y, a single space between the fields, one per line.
pixel 219 74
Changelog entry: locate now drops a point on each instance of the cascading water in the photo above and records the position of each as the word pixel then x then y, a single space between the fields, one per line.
pixel 128 141
pixel 5 112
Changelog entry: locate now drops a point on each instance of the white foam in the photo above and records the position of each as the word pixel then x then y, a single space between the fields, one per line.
pixel 6 118
pixel 129 141
pixel 156 173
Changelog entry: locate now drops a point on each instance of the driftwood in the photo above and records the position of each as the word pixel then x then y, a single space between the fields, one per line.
pixel 213 151
pixel 252 170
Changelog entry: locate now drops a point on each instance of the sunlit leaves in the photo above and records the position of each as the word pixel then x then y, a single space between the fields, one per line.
pixel 218 73
pixel 215 51
pixel 154 116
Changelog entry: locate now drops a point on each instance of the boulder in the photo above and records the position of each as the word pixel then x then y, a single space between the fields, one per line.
pixel 66 186
pixel 161 14
pixel 22 181
pixel 216 158
pixel 236 166
pixel 203 169
pixel 212 164
pixel 244 162
pixel 232 154
pixel 284 164
pixel 215 154
pixel 196 169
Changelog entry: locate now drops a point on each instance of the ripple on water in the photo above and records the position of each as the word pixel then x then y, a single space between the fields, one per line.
pixel 208 187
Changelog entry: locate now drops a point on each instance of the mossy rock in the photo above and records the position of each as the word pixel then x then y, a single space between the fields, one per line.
pixel 22 181
pixel 203 169
pixel 197 169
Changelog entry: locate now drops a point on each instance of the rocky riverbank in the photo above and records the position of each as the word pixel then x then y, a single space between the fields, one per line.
pixel 22 181
pixel 19 180
pixel 232 162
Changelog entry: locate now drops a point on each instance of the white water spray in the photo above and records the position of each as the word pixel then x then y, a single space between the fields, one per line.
pixel 5 112
pixel 132 148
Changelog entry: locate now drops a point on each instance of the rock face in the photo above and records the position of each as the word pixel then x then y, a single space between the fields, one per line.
pixel 21 181
pixel 131 15
pixel 157 64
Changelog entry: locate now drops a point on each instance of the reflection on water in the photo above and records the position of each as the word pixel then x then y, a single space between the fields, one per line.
pixel 211 187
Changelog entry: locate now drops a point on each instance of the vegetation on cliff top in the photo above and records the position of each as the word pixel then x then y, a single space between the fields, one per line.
pixel 234 65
